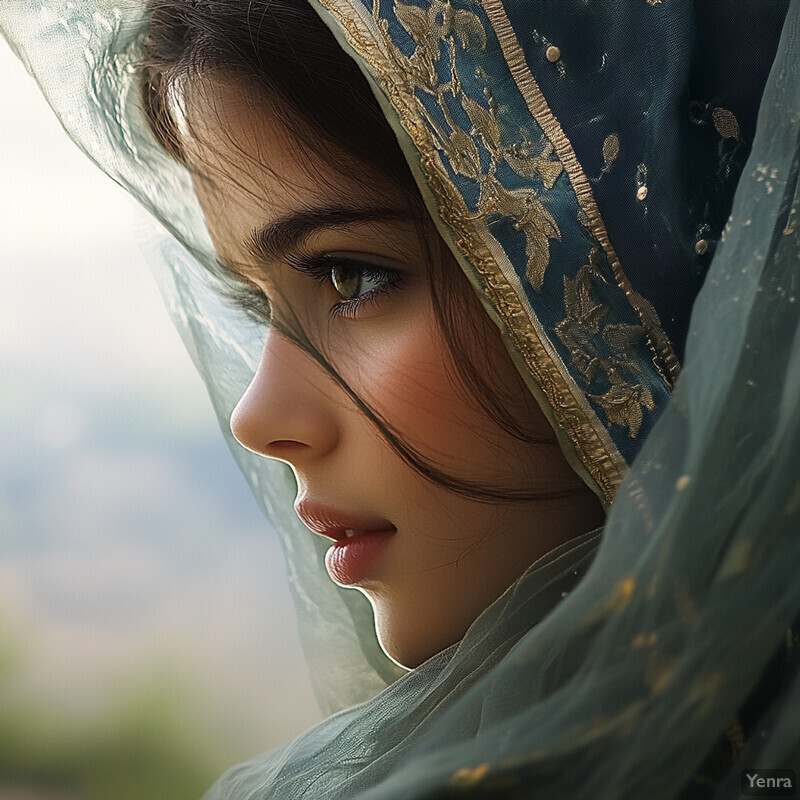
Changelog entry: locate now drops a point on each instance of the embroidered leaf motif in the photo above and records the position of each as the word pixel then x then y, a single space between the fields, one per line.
pixel 580 342
pixel 610 149
pixel 469 29
pixel 415 20
pixel 623 404
pixel 530 216
pixel 522 156
pixel 421 25
pixel 622 338
pixel 522 159
pixel 579 331
pixel 458 145
pixel 726 123
pixel 463 153
pixel 484 124
pixel 540 229
pixel 595 265
pixel 579 303
pixel 582 323
pixel 649 314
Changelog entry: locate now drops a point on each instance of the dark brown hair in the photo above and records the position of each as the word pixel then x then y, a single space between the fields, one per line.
pixel 284 50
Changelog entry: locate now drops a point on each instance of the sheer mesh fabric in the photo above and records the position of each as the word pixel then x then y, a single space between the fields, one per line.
pixel 656 660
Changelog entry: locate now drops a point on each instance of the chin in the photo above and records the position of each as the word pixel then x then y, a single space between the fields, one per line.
pixel 408 645
pixel 406 657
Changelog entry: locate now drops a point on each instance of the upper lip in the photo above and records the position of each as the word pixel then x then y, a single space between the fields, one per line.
pixel 333 523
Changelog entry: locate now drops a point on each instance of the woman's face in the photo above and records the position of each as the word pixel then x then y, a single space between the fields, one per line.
pixel 339 257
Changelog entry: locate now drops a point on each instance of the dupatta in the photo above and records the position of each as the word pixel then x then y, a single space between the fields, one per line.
pixel 588 164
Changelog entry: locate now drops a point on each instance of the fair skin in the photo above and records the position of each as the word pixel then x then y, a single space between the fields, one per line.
pixel 448 556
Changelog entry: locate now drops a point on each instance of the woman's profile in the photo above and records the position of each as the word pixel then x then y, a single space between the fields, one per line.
pixel 463 278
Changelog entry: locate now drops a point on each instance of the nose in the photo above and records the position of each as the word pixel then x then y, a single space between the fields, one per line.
pixel 289 411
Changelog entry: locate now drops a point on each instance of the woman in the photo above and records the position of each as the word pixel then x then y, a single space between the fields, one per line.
pixel 324 262
pixel 580 164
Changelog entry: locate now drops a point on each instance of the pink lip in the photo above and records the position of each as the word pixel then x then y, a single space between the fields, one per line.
pixel 327 521
pixel 350 558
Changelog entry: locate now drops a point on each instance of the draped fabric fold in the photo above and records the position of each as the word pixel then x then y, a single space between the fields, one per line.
pixel 658 660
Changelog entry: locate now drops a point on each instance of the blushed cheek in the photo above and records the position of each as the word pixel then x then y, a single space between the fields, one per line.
pixel 410 380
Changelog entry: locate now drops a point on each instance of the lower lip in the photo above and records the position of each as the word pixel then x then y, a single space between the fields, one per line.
pixel 350 560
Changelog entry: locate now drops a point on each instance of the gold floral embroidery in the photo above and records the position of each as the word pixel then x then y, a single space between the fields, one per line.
pixel 428 27
pixel 530 216
pixel 610 149
pixel 582 322
pixel 442 24
pixel 665 361
pixel 522 158
pixel 624 401
pixel 734 733
pixel 726 123
pixel 469 776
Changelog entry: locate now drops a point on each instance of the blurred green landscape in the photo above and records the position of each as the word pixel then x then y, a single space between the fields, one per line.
pixel 143 745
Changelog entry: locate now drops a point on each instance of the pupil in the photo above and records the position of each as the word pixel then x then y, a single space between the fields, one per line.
pixel 346 281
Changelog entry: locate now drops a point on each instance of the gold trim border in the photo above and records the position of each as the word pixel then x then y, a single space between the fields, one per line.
pixel 667 364
pixel 599 458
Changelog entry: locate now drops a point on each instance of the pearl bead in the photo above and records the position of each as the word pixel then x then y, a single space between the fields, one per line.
pixel 553 54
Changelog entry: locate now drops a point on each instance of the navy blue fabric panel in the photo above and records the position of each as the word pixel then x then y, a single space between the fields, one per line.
pixel 698 78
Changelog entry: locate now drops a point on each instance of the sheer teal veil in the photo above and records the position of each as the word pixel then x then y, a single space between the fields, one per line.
pixel 671 666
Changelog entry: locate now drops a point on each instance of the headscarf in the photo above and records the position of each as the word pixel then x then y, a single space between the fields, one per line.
pixel 588 163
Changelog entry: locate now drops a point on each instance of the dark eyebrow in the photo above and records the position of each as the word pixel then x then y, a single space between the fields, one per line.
pixel 273 240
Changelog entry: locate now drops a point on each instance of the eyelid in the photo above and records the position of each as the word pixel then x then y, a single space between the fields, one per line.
pixel 250 298
pixel 320 265
pixel 320 269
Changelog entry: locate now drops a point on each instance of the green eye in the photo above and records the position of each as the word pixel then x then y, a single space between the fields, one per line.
pixel 347 281
pixel 352 282
pixel 356 281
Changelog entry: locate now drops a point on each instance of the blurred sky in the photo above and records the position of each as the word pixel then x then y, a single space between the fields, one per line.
pixel 129 544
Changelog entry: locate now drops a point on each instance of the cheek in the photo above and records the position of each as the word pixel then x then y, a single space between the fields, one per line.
pixel 404 371
pixel 415 387
pixel 408 377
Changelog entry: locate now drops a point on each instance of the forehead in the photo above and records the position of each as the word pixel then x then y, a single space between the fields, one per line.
pixel 248 167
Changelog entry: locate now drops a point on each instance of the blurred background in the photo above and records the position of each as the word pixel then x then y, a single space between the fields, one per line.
pixel 147 637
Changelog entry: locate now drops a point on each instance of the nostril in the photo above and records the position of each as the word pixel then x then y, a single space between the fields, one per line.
pixel 284 449
pixel 286 444
pixel 293 453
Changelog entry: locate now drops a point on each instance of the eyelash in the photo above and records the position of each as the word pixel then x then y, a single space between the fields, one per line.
pixel 320 268
pixel 248 298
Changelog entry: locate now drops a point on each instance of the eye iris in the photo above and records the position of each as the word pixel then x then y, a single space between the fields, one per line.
pixel 346 281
